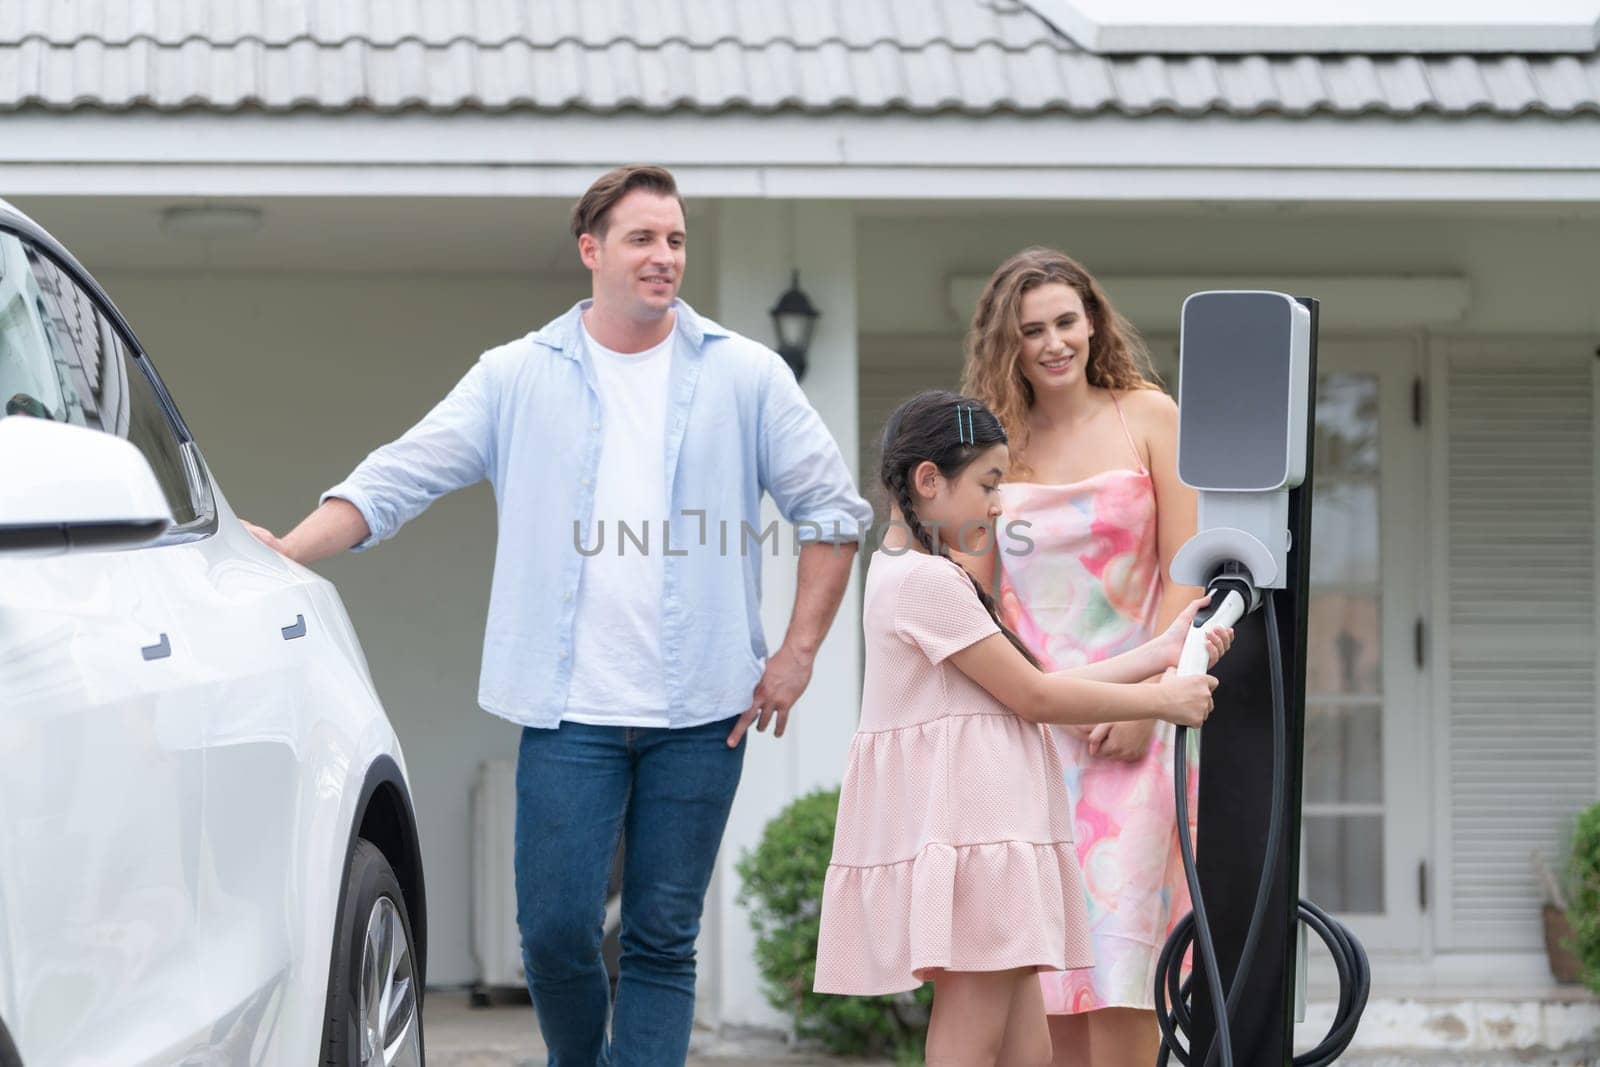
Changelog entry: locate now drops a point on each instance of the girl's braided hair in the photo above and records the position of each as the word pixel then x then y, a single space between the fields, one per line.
pixel 949 431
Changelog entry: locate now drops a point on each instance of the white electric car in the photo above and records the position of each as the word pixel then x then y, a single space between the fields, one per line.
pixel 207 847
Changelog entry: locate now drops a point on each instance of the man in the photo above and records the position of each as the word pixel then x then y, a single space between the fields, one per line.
pixel 633 660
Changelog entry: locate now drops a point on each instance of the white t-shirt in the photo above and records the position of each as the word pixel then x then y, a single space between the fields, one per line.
pixel 617 675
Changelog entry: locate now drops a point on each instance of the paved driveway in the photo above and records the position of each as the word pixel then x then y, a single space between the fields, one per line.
pixel 508 1034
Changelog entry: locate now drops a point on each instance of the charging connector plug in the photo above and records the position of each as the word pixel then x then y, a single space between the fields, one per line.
pixel 1231 597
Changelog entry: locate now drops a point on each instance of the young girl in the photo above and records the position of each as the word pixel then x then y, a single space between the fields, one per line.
pixel 1094 475
pixel 953 858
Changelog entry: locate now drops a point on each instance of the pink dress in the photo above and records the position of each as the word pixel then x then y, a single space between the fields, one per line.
pixel 953 848
pixel 1087 589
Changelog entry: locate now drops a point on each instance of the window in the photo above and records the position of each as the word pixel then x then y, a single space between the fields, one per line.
pixel 62 359
pixel 1365 801
pixel 1344 801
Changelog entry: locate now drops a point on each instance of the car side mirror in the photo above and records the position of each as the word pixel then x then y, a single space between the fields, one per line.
pixel 66 488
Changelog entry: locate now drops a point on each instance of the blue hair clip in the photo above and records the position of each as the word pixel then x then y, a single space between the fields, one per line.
pixel 966 433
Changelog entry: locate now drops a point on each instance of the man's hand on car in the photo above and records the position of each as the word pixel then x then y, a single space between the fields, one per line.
pixel 266 537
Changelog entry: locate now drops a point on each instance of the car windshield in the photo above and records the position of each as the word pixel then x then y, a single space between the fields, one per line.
pixel 36 369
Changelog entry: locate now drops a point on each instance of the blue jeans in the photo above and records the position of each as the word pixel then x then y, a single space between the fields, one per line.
pixel 666 794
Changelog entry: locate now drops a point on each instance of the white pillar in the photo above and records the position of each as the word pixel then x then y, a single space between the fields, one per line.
pixel 758 245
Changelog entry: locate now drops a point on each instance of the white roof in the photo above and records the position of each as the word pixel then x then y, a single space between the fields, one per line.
pixel 707 56
pixel 1327 26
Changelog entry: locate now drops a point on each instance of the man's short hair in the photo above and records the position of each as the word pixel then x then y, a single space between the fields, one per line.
pixel 591 214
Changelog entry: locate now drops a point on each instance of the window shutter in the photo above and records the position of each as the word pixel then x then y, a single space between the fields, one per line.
pixel 1520 729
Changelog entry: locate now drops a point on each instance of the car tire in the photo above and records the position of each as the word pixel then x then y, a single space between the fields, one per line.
pixel 9 1056
pixel 374 1001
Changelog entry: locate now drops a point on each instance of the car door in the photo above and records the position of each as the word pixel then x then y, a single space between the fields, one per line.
pixel 101 756
pixel 256 635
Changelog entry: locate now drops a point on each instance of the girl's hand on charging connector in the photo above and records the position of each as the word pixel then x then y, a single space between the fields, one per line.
pixel 1217 644
pixel 1170 643
pixel 1172 640
pixel 1185 701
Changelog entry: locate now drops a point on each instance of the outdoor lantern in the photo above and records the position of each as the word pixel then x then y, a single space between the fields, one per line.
pixel 794 320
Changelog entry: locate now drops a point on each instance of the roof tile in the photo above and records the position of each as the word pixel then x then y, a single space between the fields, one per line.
pixel 971 56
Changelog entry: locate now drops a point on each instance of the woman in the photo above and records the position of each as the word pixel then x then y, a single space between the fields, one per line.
pixel 1094 477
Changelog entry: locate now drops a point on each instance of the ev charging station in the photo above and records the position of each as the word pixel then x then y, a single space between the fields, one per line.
pixel 1246 423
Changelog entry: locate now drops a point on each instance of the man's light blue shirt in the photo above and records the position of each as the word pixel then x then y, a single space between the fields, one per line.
pixel 528 417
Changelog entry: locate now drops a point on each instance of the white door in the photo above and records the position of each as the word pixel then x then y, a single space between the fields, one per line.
pixel 1365 823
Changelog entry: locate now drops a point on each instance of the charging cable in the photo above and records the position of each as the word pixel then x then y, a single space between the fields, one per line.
pixel 1231 597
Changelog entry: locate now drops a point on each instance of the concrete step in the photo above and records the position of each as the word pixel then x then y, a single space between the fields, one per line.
pixel 1560 1028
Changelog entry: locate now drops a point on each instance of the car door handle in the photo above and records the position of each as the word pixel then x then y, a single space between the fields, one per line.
pixel 297 630
pixel 160 650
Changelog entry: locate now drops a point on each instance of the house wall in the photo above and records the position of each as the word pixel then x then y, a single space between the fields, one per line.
pixel 1531 275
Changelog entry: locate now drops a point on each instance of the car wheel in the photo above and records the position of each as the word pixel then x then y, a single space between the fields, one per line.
pixel 374 1001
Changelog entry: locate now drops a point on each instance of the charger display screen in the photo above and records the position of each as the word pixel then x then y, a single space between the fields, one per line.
pixel 1235 356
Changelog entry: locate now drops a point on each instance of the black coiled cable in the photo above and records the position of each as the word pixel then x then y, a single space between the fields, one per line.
pixel 1172 993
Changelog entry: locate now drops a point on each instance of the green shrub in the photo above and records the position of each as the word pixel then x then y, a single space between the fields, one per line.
pixel 782 885
pixel 1584 905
